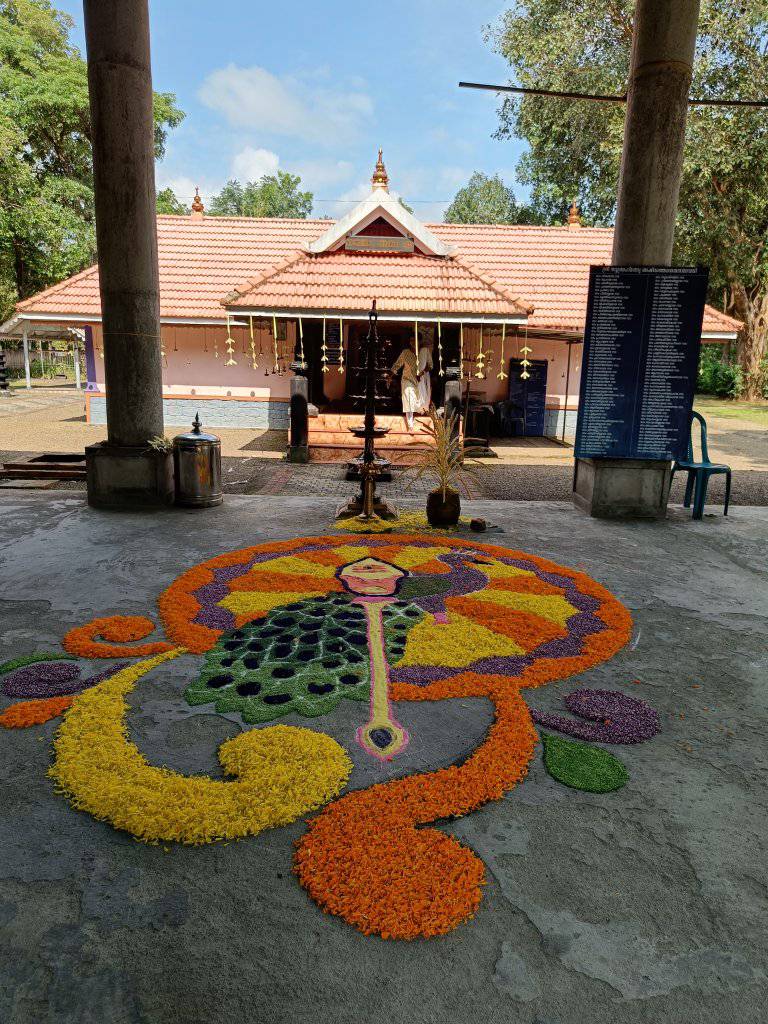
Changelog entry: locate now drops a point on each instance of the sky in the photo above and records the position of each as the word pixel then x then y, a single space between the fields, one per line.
pixel 315 88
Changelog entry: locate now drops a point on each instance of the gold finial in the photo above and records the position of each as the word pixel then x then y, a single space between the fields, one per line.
pixel 574 218
pixel 197 204
pixel 380 177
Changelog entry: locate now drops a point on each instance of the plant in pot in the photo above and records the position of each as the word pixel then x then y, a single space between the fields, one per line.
pixel 445 459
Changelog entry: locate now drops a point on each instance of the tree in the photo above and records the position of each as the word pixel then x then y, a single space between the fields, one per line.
pixel 487 200
pixel 168 203
pixel 273 195
pixel 46 209
pixel 575 147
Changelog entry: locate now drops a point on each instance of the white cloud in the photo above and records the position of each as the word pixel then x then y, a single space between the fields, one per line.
pixel 296 106
pixel 251 164
pixel 323 174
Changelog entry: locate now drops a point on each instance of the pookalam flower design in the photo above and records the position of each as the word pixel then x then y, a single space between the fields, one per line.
pixel 299 627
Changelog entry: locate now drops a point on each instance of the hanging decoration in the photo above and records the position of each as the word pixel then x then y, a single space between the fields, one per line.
pixel 163 356
pixel 524 375
pixel 439 349
pixel 501 375
pixel 324 353
pixel 416 340
pixel 215 345
pixel 480 358
pixel 301 340
pixel 461 351
pixel 274 338
pixel 341 345
pixel 254 361
pixel 231 361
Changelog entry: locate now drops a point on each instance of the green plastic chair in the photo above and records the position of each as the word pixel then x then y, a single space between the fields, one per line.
pixel 700 472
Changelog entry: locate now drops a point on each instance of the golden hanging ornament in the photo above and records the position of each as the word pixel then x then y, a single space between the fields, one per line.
pixel 230 343
pixel 416 341
pixel 524 375
pixel 324 353
pixel 301 340
pixel 480 357
pixel 254 361
pixel 501 375
pixel 341 345
pixel 439 349
pixel 461 351
pixel 274 338
pixel 163 356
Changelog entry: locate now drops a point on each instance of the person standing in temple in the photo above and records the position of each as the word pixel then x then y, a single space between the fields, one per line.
pixel 415 383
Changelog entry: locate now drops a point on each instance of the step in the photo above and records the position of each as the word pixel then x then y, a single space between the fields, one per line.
pixel 25 471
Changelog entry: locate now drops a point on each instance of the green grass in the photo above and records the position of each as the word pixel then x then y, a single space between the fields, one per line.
pixel 754 412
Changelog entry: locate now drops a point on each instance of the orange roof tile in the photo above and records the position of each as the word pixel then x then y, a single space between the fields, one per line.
pixel 202 259
pixel 400 283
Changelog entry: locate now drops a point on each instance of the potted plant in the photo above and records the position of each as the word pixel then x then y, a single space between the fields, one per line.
pixel 445 460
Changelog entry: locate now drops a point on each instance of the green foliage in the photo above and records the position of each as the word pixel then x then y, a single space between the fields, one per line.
pixel 168 203
pixel 717 375
pixel 273 195
pixel 575 147
pixel 46 213
pixel 487 200
pixel 582 766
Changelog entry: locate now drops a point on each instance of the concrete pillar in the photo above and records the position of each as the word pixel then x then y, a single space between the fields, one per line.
pixel 663 44
pixel 25 344
pixel 452 394
pixel 76 357
pixel 124 472
pixel 298 440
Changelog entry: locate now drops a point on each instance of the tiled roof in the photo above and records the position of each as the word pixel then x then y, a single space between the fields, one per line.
pixel 400 283
pixel 202 259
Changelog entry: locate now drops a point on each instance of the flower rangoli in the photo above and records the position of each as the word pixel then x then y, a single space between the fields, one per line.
pixel 288 632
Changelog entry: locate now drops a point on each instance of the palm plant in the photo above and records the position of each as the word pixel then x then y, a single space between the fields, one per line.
pixel 445 458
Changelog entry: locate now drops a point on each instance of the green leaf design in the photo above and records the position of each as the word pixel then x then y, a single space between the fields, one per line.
pixel 582 766
pixel 302 658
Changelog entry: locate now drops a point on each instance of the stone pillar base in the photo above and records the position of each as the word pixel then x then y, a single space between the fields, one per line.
pixel 298 453
pixel 622 488
pixel 128 478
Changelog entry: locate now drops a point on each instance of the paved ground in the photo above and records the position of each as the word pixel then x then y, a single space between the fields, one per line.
pixel 646 906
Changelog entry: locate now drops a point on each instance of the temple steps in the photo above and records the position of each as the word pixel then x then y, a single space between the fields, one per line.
pixel 330 439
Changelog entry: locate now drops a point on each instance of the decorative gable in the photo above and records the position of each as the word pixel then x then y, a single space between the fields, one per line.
pixel 380 223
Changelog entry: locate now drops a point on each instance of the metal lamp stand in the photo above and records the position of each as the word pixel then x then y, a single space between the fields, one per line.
pixel 368 505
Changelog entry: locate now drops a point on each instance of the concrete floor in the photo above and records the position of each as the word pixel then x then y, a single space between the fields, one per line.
pixel 645 905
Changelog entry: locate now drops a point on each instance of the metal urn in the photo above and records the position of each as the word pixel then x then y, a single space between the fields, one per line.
pixel 197 468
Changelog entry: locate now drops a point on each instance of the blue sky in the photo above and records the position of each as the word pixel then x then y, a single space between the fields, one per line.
pixel 315 87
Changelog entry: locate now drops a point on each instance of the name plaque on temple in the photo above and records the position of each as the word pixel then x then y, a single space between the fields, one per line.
pixel 378 243
pixel 640 363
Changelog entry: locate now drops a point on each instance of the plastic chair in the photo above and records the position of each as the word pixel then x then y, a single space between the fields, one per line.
pixel 700 472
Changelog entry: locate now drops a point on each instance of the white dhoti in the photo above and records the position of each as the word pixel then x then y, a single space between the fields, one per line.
pixel 411 396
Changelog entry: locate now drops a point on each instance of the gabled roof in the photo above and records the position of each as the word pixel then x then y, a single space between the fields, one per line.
pixel 400 283
pixel 380 204
pixel 202 259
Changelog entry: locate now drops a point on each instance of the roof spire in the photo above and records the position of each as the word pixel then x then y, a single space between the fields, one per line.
pixel 197 204
pixel 380 177
pixel 574 217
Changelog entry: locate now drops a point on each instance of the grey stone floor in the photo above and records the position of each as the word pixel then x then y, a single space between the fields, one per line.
pixel 646 905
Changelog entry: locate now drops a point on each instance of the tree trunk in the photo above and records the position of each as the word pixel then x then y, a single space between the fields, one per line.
pixel 752 344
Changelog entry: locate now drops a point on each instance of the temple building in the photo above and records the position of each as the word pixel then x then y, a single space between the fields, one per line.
pixel 242 299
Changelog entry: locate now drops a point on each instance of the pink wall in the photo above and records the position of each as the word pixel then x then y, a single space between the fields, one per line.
pixel 191 366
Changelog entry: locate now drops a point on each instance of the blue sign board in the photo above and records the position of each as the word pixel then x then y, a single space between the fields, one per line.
pixel 529 393
pixel 641 358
